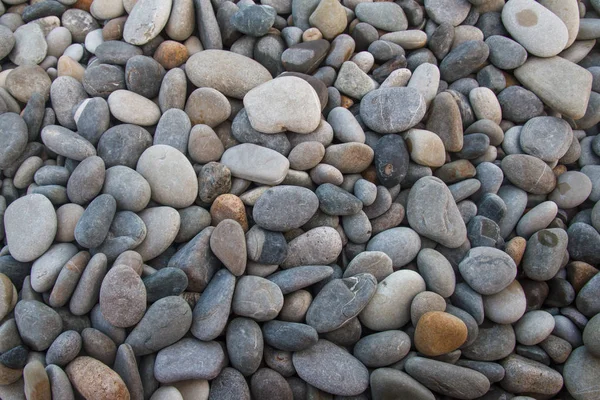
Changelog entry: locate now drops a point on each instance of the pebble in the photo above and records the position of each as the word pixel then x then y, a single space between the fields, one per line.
pixel 38 324
pixel 228 243
pixel 535 27
pixel 382 349
pixel 527 376
pixel 383 16
pixel 438 333
pixel 401 245
pixel 146 20
pixel 487 270
pixel 390 381
pixel 390 306
pixel 440 222
pixel 30 46
pixel 459 381
pixel 122 282
pixel 132 108
pixel 257 298
pixel 31 224
pixel 328 367
pixel 174 363
pixel 392 110
pixel 437 272
pixel 170 175
pixel 91 377
pixel 329 17
pixel 243 159
pixel 580 373
pixel 544 253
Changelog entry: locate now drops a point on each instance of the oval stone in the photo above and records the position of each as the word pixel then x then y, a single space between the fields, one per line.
pixel 30 223
pixel 271 211
pixel 146 20
pixel 170 175
pixel 232 74
pixel 487 270
pixel 122 297
pixel 529 173
pixel 93 379
pixel 332 369
pixel 392 110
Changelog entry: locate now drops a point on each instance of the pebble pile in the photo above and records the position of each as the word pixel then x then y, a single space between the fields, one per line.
pixel 299 199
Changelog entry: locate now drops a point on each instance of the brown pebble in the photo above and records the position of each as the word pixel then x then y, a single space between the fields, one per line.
pixel 171 54
pixel 131 259
pixel 83 5
pixel 96 381
pixel 68 278
pixel 9 375
pixel 559 170
pixel 515 248
pixel 456 171
pixel 69 67
pixel 579 273
pixel 113 30
pixel 438 333
pixel 229 206
pixel 346 102
pixel 37 384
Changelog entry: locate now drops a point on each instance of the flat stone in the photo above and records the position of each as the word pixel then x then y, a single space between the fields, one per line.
pixel 331 369
pixel 165 322
pixel 132 108
pixel 538 177
pixel 447 379
pixel 212 310
pixel 534 327
pixel 328 17
pixel 552 90
pixel 38 324
pixel 463 60
pixel 542 133
pixel 143 75
pixel 25 80
pixel 506 306
pixel 383 16
pixel 444 11
pixel 354 82
pixel 390 306
pixel 65 142
pixel 273 106
pixel 382 349
pixel 230 73
pixel 254 20
pixel 130 190
pixel 544 253
pixel 30 45
pixel 387 382
pixel 175 363
pixel 572 189
pixel 146 20
pixel 103 79
pixel 30 223
pixel 256 163
pixel 339 301
pixel 13 138
pixel 392 110
pixel 527 376
pixel 505 53
pixel 91 377
pixel 400 244
pixel 170 175
pixel 519 104
pixel 535 27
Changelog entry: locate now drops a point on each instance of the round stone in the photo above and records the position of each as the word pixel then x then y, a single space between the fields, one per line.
pixel 400 244
pixel 581 372
pixel 506 306
pixel 529 173
pixel 572 189
pixel 38 324
pixel 30 223
pixel 487 270
pixel 132 108
pixel 13 138
pixel 534 327
pixel 271 210
pixel 93 378
pixel 257 298
pixel 170 175
pixel 547 138
pixel 438 333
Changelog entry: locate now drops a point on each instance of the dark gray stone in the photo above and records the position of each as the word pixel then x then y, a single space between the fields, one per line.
pixel 392 110
pixel 103 79
pixel 229 384
pixel 289 336
pixel 272 210
pixel 13 138
pixel 123 145
pixel 463 60
pixel 144 75
pixel 116 52
pixel 179 361
pixel 94 224
pixel 245 344
pixel 254 20
pixel 242 131
pixel 519 104
pixel 165 282
pixel 38 324
pixel 298 278
pixel 212 309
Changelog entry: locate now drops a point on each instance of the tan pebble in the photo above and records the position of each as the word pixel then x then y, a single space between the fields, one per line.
pixel 6 295
pixel 515 248
pixel 306 155
pixel 311 34
pixel 171 54
pixel 96 381
pixel 325 173
pixel 439 333
pixel 37 384
pixel 229 206
pixel 9 375
pixel 425 148
pixel 113 30
pixel 67 217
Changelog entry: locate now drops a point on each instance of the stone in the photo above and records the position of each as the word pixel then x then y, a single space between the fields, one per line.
pixel 15 358
pixel 289 336
pixel 392 110
pixel 38 324
pixel 171 54
pixel 31 224
pixel 572 189
pixel 146 20
pixel 354 82
pixel 13 138
pixel 130 189
pixel 444 11
pixel 336 201
pixel 67 143
pixel 328 367
pixel 535 27
pixel 318 246
pixel 383 16
pixel 447 379
pixel 172 314
pixel 232 74
pixel 211 313
pixel 349 158
pixel 438 333
pixel 586 302
pixel 204 145
pixel 64 349
pixel 442 221
pixel 581 373
pixel 254 20
pixel 165 282
pixel 387 382
pixel 519 104
pixel 390 306
pixel 37 384
pixel 256 163
pixel 122 297
pixel 544 253
pixel 382 349
pixel 207 106
pixel 567 100
pixel 170 175
pixel 529 173
pixel 91 378
pixel 463 60
pixel 506 306
pixel 272 107
pixel 400 244
pixel 143 75
pixel 426 148
pixel 306 155
pixel 230 383
pixel 257 298
pixel 174 363
pixel 94 224
pixel 329 17
pixel 103 79
pixel 339 301
pixel 437 272
pixel 487 270
pixel 542 133
pixel 527 376
pixel 30 45
pixel 228 244
pixel 132 108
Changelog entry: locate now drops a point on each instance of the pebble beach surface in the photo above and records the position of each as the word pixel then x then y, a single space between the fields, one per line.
pixel 299 199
